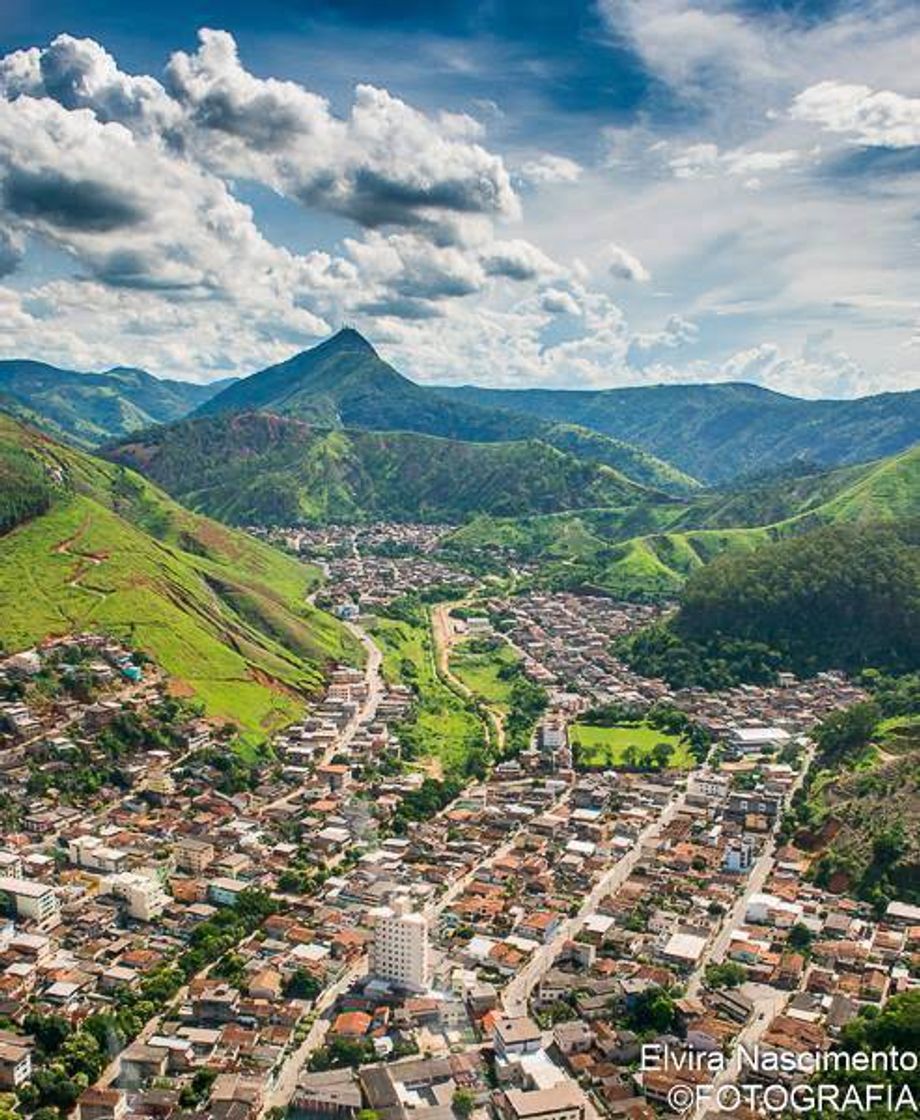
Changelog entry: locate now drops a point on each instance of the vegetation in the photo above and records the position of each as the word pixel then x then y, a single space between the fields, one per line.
pixel 224 615
pixel 442 724
pixel 91 408
pixel 859 810
pixel 843 596
pixel 634 746
pixel 493 673
pixel 651 548
pixel 725 975
pixel 717 432
pixel 638 737
pixel 896 1027
pixel 256 467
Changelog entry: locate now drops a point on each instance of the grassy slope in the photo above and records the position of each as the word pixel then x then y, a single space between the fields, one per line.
pixel 224 615
pixel 652 548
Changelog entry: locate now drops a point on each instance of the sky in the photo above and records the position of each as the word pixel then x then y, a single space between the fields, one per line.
pixel 506 192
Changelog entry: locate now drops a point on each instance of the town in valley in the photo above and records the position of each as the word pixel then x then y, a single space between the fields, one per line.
pixel 342 922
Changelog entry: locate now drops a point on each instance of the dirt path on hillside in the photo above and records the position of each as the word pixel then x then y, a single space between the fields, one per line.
pixel 85 561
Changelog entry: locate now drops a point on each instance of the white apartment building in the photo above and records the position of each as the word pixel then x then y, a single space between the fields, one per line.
pixel 31 900
pixel 399 952
pixel 94 854
pixel 144 895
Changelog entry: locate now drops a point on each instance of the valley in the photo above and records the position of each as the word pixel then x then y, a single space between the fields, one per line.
pixel 631 756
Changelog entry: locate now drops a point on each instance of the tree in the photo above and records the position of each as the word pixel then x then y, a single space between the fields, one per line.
pixel 725 975
pixel 652 1010
pixel 302 985
pixel 800 938
pixel 662 753
pixel 847 731
pixel 463 1103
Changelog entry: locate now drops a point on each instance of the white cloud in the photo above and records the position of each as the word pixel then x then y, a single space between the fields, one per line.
pixel 677 332
pixel 697 161
pixel 625 266
pixel 876 118
pixel 550 169
pixel 559 302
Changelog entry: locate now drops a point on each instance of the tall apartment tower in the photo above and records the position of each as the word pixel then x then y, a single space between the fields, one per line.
pixel 399 952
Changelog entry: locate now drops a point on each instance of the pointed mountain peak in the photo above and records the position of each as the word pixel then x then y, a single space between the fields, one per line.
pixel 347 339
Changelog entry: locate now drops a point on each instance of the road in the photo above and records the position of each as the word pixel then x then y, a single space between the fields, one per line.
pixel 516 994
pixel 286 1084
pixel 754 884
pixel 768 1003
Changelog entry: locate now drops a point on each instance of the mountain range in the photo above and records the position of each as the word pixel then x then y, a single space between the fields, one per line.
pixel 344 383
pixel 91 408
pixel 666 437
pixel 719 431
pixel 259 467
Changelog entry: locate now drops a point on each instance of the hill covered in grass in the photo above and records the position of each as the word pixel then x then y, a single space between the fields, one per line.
pixel 653 547
pixel 101 548
pixel 717 432
pixel 91 408
pixel 258 467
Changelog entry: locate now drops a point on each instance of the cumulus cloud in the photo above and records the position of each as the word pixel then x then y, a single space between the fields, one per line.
pixel 550 169
pixel 423 190
pixel 677 332
pixel 624 266
pixel 559 302
pixel 691 45
pixel 518 260
pixel 876 118
pixel 385 163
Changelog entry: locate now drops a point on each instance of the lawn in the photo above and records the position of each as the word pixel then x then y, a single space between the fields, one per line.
pixel 608 746
pixel 446 726
pixel 479 671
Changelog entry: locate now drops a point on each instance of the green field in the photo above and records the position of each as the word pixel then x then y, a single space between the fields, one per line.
pixel 445 727
pixel 609 746
pixel 479 671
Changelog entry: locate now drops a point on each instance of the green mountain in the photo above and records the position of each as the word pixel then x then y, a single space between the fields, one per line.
pixel 93 546
pixel 260 467
pixel 844 596
pixel 91 408
pixel 652 547
pixel 717 432
pixel 344 383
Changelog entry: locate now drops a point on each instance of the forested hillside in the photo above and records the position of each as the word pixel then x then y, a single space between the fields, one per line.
pixel 842 597
pixel 258 467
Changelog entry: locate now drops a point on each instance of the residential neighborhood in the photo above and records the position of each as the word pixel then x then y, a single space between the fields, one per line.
pixel 314 926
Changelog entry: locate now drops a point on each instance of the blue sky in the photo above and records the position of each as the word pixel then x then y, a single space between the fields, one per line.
pixel 560 194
